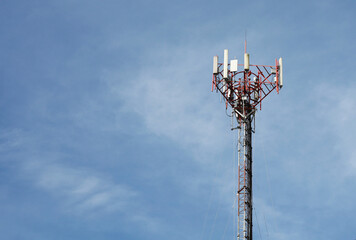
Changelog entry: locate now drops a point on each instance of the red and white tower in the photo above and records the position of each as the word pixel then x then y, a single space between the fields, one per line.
pixel 244 90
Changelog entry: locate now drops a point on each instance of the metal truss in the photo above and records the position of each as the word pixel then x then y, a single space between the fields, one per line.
pixel 244 92
pixel 244 189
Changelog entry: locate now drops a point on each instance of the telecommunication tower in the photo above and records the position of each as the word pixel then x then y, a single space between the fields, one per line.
pixel 244 90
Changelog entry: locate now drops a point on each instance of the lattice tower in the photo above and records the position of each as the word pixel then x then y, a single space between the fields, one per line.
pixel 244 91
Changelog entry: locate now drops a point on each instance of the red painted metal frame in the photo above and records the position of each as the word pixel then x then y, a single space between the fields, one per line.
pixel 239 84
pixel 244 91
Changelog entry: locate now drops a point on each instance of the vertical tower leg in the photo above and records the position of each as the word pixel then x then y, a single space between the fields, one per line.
pixel 244 190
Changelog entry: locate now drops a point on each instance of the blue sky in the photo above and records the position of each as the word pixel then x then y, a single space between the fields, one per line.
pixel 108 128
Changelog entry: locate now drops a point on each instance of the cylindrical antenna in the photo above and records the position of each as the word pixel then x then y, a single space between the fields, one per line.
pixel 280 73
pixel 215 65
pixel 247 62
pixel 226 63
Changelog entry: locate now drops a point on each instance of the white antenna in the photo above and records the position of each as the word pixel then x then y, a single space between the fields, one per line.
pixel 280 73
pixel 226 63
pixel 215 65
pixel 234 65
pixel 247 62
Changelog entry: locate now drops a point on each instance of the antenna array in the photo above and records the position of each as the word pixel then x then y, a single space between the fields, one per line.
pixel 243 91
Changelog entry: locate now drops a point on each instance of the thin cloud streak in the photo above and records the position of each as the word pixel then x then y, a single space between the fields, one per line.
pixel 77 191
pixel 170 105
pixel 84 190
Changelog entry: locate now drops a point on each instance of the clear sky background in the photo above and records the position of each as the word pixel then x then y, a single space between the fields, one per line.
pixel 109 129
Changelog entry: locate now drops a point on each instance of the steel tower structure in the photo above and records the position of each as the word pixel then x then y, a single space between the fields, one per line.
pixel 243 91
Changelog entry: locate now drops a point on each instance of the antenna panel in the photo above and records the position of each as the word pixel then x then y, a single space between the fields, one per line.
pixel 234 65
pixel 280 72
pixel 226 62
pixel 215 65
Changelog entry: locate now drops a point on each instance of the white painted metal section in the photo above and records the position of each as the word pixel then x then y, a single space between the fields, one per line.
pixel 280 72
pixel 234 65
pixel 247 61
pixel 226 63
pixel 215 65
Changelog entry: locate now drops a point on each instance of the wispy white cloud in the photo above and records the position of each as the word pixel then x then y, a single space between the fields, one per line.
pixel 79 191
pixel 83 190
pixel 10 139
pixel 337 107
pixel 313 164
pixel 89 194
pixel 173 101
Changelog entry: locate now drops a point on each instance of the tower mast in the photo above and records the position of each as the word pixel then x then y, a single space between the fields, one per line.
pixel 244 92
